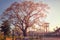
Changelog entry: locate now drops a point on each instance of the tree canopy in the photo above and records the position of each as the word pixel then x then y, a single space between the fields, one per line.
pixel 25 14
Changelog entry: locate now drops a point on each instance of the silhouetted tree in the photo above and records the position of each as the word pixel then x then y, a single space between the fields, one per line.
pixel 5 28
pixel 25 14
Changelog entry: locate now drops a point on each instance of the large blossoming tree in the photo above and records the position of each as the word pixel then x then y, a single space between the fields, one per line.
pixel 25 14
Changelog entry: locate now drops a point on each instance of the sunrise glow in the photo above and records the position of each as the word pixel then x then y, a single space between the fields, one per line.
pixel 53 16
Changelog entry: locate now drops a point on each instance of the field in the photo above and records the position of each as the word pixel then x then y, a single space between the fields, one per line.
pixel 33 38
pixel 51 38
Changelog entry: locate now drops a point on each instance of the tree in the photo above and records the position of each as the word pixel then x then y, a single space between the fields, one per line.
pixel 5 28
pixel 25 14
pixel 46 25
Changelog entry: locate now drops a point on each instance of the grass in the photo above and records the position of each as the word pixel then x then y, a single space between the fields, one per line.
pixel 30 38
pixel 20 37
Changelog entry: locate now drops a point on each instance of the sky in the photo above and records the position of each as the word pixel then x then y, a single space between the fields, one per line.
pixel 54 12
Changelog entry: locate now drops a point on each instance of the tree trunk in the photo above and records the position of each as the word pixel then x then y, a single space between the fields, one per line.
pixel 4 37
pixel 24 33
